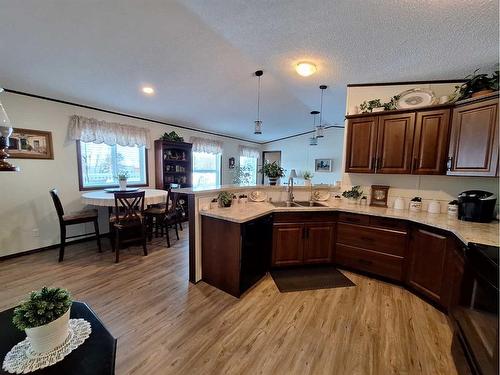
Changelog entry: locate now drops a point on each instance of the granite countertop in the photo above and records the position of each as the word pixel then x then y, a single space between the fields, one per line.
pixel 466 231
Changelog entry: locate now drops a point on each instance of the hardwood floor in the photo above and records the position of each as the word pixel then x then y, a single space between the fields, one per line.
pixel 165 325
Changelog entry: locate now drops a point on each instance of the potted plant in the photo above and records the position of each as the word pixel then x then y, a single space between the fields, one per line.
pixel 374 105
pixel 307 178
pixel 416 204
pixel 44 316
pixel 272 171
pixel 225 199
pixel 172 137
pixel 122 180
pixel 477 85
pixel 353 195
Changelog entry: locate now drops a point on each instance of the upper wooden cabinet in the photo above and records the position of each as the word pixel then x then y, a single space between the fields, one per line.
pixel 362 143
pixel 419 141
pixel 395 142
pixel 430 141
pixel 474 139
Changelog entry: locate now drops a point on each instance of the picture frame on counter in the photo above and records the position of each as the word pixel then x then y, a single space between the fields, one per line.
pixel 379 196
pixel 30 144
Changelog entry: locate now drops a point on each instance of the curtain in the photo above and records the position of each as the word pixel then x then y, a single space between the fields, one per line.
pixel 208 146
pixel 249 152
pixel 91 130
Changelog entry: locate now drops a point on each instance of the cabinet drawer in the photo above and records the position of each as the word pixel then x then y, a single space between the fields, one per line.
pixel 370 261
pixel 303 217
pixel 383 240
pixel 353 218
pixel 384 222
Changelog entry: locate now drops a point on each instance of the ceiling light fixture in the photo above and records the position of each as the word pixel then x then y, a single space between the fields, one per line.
pixel 321 128
pixel 305 69
pixel 313 141
pixel 258 122
pixel 148 90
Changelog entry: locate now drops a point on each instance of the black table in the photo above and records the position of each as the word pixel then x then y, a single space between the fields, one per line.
pixel 95 356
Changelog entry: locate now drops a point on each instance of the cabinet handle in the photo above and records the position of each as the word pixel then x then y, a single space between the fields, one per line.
pixel 374 163
pixel 415 164
pixel 303 232
pixel 307 232
pixel 449 163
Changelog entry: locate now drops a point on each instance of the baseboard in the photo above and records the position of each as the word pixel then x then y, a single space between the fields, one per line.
pixel 51 247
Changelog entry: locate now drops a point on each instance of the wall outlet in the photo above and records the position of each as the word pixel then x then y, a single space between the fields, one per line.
pixel 35 232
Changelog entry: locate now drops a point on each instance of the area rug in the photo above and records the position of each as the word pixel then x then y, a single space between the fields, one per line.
pixel 309 278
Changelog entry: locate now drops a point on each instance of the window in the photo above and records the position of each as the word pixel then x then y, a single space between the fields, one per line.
pixel 206 170
pixel 248 170
pixel 99 165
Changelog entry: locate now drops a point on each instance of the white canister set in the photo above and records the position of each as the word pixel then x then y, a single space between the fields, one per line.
pixel 434 207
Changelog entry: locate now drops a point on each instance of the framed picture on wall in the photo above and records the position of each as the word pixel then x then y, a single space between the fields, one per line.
pixel 232 163
pixel 323 165
pixel 30 144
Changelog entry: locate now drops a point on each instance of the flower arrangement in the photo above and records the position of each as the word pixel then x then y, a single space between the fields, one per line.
pixel 42 307
pixel 122 175
pixel 272 170
pixel 476 83
pixel 307 175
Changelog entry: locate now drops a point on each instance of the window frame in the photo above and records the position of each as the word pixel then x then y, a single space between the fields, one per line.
pixel 218 162
pixel 80 174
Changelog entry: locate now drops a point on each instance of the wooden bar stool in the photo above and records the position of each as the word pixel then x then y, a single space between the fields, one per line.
pixel 72 218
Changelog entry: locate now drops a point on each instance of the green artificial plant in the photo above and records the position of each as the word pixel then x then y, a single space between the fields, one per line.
pixel 354 193
pixel 172 136
pixel 225 199
pixel 42 307
pixel 272 170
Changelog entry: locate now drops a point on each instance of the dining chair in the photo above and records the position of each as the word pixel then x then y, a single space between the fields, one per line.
pixel 128 225
pixel 154 217
pixel 171 217
pixel 79 217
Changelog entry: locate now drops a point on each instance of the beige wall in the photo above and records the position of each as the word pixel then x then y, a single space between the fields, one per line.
pixel 26 204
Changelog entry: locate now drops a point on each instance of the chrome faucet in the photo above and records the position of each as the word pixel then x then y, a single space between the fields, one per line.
pixel 293 175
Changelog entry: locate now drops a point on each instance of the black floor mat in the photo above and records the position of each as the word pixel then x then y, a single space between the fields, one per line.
pixel 309 278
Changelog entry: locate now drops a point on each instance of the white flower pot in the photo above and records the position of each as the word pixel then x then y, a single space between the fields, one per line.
pixel 123 184
pixel 352 201
pixel 307 182
pixel 49 336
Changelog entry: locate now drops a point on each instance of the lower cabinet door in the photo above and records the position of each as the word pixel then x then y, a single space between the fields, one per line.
pixel 288 244
pixel 319 243
pixel 428 263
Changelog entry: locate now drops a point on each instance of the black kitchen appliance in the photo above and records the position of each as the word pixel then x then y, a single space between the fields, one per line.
pixel 476 205
pixel 476 316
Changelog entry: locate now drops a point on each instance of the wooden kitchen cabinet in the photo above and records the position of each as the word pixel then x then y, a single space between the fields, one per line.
pixel 394 143
pixel 474 139
pixel 361 145
pixel 430 141
pixel 288 244
pixel 427 267
pixel 303 238
pixel 319 242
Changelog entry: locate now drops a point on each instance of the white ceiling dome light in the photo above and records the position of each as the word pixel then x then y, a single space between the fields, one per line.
pixel 305 69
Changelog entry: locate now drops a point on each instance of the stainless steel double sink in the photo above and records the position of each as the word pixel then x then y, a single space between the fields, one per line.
pixel 298 204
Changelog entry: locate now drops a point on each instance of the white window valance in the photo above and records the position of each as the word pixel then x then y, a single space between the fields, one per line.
pixel 111 133
pixel 209 146
pixel 249 152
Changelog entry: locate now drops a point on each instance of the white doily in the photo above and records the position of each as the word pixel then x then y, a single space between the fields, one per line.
pixel 22 359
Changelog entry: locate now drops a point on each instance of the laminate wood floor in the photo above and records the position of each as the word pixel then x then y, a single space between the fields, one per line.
pixel 165 325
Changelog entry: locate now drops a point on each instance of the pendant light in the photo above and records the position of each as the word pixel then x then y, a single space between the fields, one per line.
pixel 258 122
pixel 313 141
pixel 321 128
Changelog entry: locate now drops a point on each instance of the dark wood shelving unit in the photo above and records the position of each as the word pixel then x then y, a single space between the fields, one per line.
pixel 174 167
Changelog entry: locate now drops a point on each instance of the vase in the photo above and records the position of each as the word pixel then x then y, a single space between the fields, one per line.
pixel 123 184
pixel 415 206
pixel 49 336
pixel 307 182
pixel 352 201
pixel 453 210
pixel 272 180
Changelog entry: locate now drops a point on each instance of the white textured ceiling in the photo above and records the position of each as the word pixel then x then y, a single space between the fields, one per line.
pixel 200 54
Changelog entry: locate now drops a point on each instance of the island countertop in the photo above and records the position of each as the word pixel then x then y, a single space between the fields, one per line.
pixel 466 231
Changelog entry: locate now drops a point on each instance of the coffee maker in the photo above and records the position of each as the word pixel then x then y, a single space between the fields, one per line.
pixel 476 205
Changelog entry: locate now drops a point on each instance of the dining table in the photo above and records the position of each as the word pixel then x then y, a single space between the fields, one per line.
pixel 107 199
